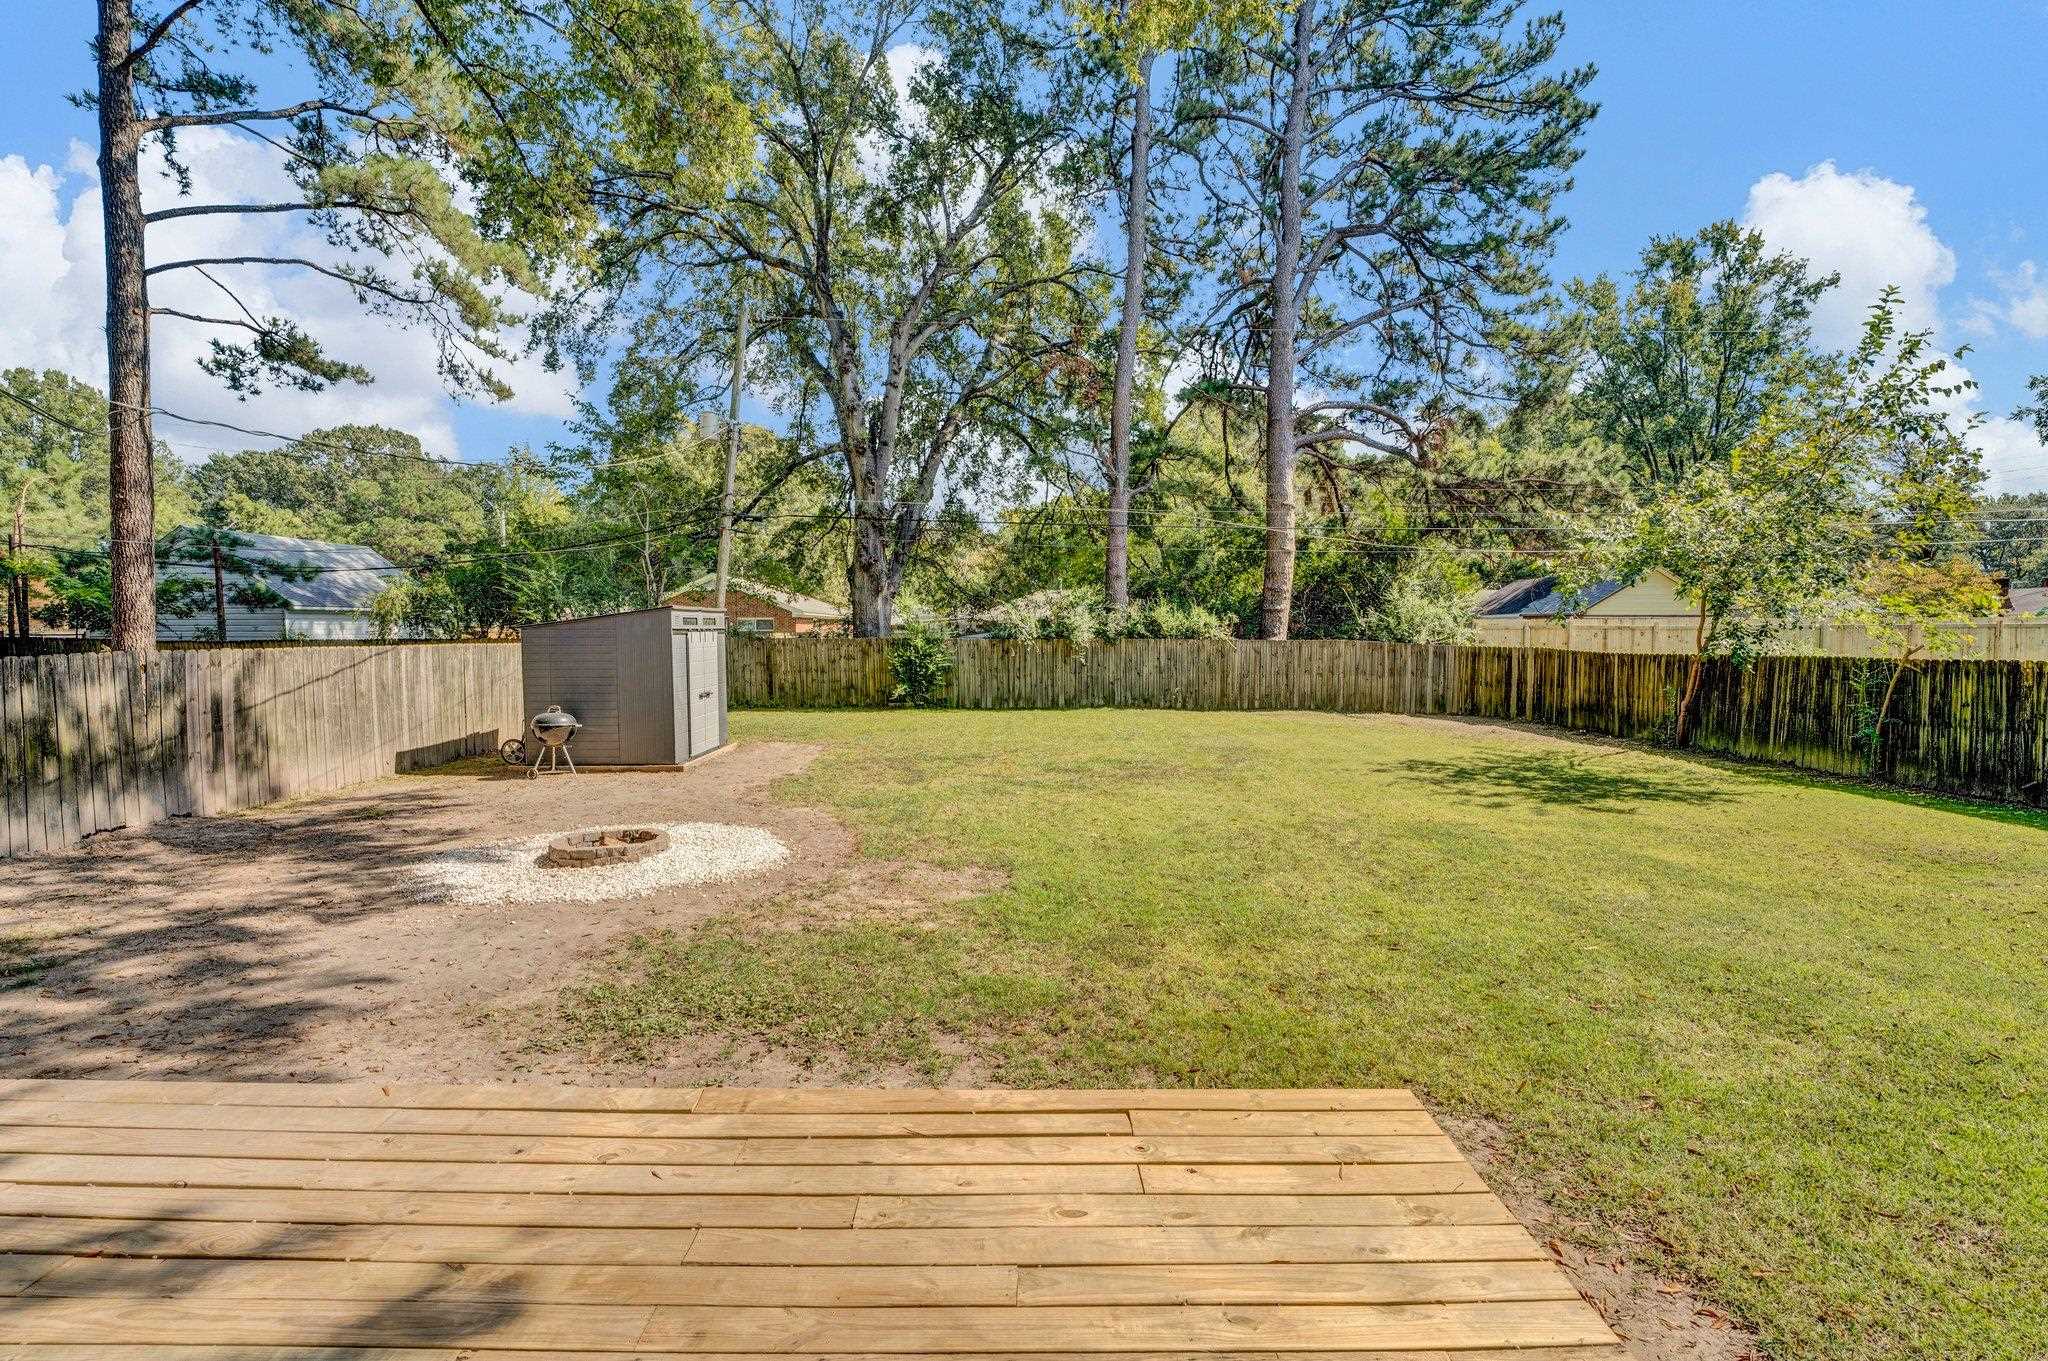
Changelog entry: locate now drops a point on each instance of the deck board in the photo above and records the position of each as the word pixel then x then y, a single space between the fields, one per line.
pixel 392 1222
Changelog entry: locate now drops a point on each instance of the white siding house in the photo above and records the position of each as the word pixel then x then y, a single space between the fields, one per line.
pixel 331 605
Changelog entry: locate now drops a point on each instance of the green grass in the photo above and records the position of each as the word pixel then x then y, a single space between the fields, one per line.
pixel 1783 1039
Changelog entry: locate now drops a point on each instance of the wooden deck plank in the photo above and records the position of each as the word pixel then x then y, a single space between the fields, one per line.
pixel 846 1286
pixel 1026 1246
pixel 363 1094
pixel 1129 1327
pixel 968 1212
pixel 845 1100
pixel 480 1222
pixel 537 1209
pixel 1289 1283
pixel 19 1271
pixel 512 1178
pixel 115 1351
pixel 327 1323
pixel 546 1148
pixel 602 1124
pixel 1282 1122
pixel 346 1242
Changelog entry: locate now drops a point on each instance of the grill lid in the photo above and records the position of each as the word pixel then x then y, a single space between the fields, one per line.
pixel 553 717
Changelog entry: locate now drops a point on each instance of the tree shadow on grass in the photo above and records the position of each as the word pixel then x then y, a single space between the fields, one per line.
pixel 1504 778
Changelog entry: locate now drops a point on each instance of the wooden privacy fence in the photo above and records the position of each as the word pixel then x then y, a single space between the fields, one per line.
pixel 95 741
pixel 2000 638
pixel 1963 727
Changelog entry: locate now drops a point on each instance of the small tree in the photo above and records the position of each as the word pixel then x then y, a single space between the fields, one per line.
pixel 920 661
pixel 1904 604
pixel 1855 467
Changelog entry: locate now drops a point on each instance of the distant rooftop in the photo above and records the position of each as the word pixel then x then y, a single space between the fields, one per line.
pixel 800 606
pixel 1538 598
pixel 346 577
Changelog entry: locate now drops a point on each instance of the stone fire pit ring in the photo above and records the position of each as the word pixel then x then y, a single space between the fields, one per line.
pixel 603 847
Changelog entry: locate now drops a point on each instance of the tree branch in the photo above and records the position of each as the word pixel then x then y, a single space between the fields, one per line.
pixel 156 35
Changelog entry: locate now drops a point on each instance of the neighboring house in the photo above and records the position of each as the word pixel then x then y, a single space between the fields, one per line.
pixel 2027 600
pixel 331 604
pixel 751 607
pixel 1654 597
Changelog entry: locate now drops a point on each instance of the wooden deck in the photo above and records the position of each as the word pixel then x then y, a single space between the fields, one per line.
pixel 367 1223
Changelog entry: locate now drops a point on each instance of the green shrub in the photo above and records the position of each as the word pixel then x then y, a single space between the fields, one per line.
pixel 920 661
pixel 1078 617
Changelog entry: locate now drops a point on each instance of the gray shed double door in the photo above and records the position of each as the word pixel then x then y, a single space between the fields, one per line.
pixel 647 685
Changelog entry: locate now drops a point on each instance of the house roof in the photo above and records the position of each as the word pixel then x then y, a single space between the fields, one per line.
pixel 1538 598
pixel 2029 599
pixel 1552 603
pixel 346 575
pixel 799 606
pixel 1509 599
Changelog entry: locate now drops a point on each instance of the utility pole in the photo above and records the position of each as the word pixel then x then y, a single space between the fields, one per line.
pixel 17 584
pixel 732 449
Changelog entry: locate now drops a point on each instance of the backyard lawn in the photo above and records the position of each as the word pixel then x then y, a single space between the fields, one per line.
pixel 1782 1040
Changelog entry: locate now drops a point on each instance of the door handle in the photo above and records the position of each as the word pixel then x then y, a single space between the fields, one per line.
pixel 704 694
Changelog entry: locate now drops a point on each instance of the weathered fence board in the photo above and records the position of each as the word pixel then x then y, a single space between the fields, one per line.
pixel 94 741
pixel 1965 727
pixel 1999 638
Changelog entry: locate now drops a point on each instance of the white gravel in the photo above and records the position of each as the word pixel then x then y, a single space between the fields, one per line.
pixel 512 872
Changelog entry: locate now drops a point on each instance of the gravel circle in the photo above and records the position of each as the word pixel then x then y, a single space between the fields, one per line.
pixel 512 871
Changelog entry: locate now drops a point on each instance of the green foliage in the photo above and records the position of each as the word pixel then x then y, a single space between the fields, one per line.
pixel 352 484
pixel 1714 330
pixel 1080 617
pixel 453 151
pixel 78 593
pixel 920 662
pixel 1427 603
pixel 1856 468
pixel 2009 534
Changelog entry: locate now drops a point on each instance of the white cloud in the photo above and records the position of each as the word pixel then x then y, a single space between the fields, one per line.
pixel 52 290
pixel 1874 232
pixel 1871 230
pixel 2022 303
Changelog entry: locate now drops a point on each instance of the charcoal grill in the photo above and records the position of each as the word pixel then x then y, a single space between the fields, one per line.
pixel 552 729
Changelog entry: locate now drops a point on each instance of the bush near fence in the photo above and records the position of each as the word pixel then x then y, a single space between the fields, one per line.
pixel 1960 727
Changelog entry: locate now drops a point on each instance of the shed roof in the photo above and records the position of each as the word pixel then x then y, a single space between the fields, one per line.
pixel 345 575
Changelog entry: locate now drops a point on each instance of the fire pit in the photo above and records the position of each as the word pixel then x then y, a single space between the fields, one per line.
pixel 606 846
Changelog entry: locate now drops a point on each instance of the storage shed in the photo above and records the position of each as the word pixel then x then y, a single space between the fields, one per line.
pixel 648 685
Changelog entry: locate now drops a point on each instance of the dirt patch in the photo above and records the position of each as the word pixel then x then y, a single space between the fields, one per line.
pixel 289 942
pixel 892 891
pixel 1658 1320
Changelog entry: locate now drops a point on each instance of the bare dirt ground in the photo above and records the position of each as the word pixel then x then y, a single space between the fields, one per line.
pixel 287 944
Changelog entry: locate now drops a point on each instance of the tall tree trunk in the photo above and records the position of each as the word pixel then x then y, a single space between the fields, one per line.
pixel 1137 227
pixel 1277 598
pixel 131 489
pixel 870 582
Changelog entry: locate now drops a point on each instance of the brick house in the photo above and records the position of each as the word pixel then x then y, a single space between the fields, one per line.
pixel 754 608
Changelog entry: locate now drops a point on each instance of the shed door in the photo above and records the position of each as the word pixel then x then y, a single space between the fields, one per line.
pixel 705 685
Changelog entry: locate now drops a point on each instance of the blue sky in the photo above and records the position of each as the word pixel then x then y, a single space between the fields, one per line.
pixel 1899 143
